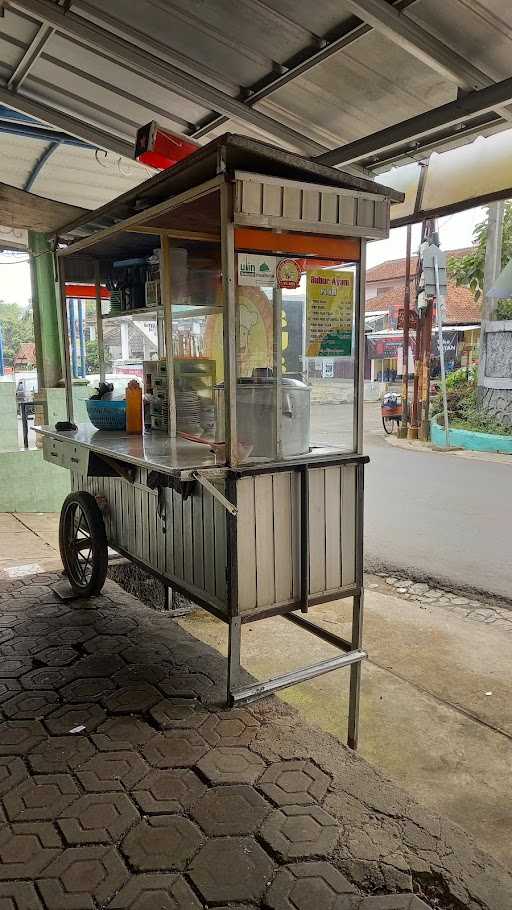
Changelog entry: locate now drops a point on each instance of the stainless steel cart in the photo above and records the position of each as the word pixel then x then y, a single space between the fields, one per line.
pixel 244 529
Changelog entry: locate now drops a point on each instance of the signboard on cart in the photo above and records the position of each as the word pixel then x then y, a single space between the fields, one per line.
pixel 256 270
pixel 330 313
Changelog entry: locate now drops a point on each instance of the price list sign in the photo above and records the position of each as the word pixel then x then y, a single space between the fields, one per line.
pixel 330 313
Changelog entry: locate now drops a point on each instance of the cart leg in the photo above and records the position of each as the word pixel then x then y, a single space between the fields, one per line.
pixel 355 673
pixel 235 635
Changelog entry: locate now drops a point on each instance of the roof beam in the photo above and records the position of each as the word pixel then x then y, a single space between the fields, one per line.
pixel 39 165
pixel 32 53
pixel 418 42
pixel 342 36
pixel 65 122
pixel 166 74
pixel 451 114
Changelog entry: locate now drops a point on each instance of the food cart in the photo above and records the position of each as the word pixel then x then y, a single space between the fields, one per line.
pixel 241 494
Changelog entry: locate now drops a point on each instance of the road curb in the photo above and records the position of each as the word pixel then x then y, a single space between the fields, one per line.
pixel 417 446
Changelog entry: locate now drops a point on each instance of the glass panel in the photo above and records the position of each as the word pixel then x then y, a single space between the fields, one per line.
pixel 295 361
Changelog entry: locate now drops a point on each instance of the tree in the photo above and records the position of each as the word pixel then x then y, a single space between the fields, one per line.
pixel 17 328
pixel 92 358
pixel 468 270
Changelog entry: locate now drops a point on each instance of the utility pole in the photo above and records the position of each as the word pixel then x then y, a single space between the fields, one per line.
pixel 492 269
pixel 405 349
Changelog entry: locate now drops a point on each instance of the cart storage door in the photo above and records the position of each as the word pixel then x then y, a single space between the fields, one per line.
pixel 268 531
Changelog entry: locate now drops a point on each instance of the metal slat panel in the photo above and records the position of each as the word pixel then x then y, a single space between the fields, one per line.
pixel 178 534
pixel 252 195
pixel 316 531
pixel 329 208
pixel 310 205
pixel 295 531
pixel 272 199
pixel 348 524
pixel 246 544
pixel 282 536
pixel 161 538
pixel 332 527
pixel 347 210
pixel 188 541
pixel 198 535
pixel 169 537
pixel 219 519
pixel 209 544
pixel 292 203
pixel 263 498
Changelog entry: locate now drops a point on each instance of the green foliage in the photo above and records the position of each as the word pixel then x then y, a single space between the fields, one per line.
pixel 92 358
pixel 464 412
pixel 17 328
pixel 468 270
pixel 504 309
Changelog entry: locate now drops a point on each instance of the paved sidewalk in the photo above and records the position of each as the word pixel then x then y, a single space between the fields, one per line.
pixel 125 784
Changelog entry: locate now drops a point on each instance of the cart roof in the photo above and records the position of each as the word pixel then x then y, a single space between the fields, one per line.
pixel 229 151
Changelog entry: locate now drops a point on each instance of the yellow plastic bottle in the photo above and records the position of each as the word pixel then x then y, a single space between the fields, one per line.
pixel 133 407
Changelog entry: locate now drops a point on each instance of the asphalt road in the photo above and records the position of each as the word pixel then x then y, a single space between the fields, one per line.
pixel 442 517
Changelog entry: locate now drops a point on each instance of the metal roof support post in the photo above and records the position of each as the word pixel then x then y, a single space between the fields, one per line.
pixel 45 305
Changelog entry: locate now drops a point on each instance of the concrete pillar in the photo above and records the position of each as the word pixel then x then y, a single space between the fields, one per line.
pixel 46 311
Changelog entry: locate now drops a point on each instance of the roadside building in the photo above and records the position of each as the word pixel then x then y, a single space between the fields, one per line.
pixel 384 338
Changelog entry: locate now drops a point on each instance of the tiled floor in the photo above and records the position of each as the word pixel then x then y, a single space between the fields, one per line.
pixel 124 783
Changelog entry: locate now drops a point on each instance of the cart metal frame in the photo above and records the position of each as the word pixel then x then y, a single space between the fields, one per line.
pixel 323 209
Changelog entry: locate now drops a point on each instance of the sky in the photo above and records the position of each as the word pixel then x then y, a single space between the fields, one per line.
pixel 455 231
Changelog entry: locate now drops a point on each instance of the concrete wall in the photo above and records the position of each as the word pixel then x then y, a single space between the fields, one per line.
pixel 495 391
pixel 30 484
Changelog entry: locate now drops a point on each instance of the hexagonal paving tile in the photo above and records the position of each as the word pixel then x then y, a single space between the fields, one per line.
pixel 225 765
pixel 175 749
pixel 30 705
pixel 156 891
pixel 60 753
pixel 118 733
pixel 161 843
pixel 45 678
pixel 69 717
pixel 82 878
pixel 57 657
pixel 66 636
pixel 172 713
pixel 393 902
pixel 173 790
pixel 14 667
pixel 22 647
pixel 40 797
pixel 294 783
pixel 12 773
pixel 135 673
pixel 231 869
pixel 236 809
pixel 112 771
pixel 134 698
pixel 7 689
pixel 147 653
pixel 17 737
pixel 187 685
pixel 105 644
pixel 234 728
pixel 96 665
pixel 115 625
pixel 26 848
pixel 97 818
pixel 304 885
pixel 300 831
pixel 19 896
pixel 92 688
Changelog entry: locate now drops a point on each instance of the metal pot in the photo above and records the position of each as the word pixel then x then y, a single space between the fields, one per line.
pixel 256 401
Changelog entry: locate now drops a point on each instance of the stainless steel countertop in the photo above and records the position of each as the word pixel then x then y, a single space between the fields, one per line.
pixel 155 451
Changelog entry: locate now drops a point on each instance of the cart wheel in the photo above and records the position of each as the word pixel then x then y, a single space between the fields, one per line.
pixel 83 544
pixel 389 423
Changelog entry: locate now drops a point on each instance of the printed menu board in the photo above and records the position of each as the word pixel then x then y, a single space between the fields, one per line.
pixel 330 313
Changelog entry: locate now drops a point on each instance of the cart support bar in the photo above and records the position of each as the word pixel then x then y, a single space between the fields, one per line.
pixel 252 693
pixel 215 492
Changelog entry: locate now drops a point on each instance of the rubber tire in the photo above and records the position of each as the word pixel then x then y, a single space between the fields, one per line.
pixel 389 422
pixel 98 534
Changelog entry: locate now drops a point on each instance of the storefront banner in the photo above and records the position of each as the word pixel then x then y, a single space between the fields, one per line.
pixel 450 342
pixel 382 347
pixel 330 313
pixel 255 270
